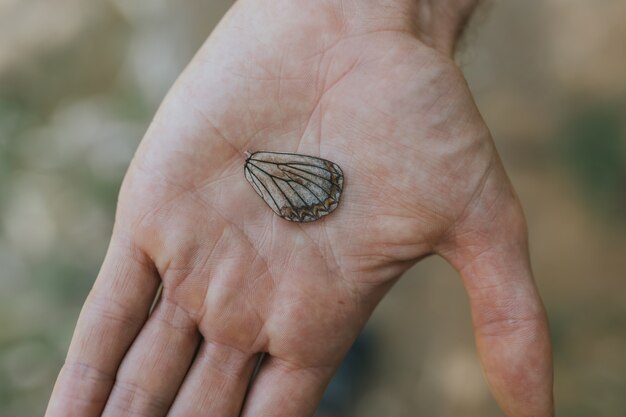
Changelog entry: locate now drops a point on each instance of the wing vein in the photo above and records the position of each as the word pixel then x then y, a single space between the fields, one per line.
pixel 274 178
pixel 310 182
pixel 256 178
pixel 256 187
pixel 297 193
pixel 310 173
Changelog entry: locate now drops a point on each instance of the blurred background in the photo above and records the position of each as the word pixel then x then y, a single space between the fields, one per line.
pixel 80 81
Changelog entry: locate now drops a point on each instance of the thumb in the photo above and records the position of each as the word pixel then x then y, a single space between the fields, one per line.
pixel 489 249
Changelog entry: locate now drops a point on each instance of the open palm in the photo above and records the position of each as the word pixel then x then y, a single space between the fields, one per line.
pixel 421 176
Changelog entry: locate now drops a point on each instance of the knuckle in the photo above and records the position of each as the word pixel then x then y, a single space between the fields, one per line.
pixel 225 359
pixel 112 310
pixel 83 371
pixel 510 319
pixel 84 384
pixel 131 399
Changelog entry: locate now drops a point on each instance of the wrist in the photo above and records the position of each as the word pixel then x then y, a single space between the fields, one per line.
pixel 437 23
pixel 441 23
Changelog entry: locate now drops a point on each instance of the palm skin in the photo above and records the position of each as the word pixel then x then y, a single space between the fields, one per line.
pixel 421 177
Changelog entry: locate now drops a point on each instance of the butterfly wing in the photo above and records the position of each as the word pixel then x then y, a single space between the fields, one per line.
pixel 298 188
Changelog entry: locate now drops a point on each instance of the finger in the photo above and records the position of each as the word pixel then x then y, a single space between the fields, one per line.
pixel 113 314
pixel 284 389
pixel 216 383
pixel 155 366
pixel 510 323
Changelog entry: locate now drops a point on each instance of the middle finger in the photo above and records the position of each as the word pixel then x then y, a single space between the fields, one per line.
pixel 216 383
pixel 156 364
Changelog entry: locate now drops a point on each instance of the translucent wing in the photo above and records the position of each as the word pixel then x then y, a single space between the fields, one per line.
pixel 298 188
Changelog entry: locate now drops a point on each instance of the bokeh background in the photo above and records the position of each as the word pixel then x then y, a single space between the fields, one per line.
pixel 79 82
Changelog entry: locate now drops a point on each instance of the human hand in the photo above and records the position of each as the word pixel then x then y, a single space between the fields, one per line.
pixel 363 85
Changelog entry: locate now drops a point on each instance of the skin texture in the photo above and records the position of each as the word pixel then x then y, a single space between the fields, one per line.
pixel 370 86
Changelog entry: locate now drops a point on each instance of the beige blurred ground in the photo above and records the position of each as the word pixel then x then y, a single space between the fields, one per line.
pixel 79 82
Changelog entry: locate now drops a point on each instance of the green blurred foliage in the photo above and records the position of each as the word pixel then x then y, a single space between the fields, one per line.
pixel 593 147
